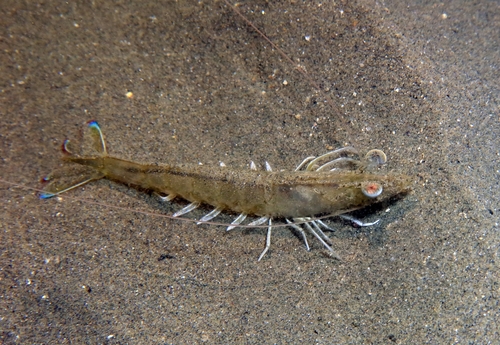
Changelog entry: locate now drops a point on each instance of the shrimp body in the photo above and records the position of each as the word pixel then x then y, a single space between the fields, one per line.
pixel 307 192
pixel 280 194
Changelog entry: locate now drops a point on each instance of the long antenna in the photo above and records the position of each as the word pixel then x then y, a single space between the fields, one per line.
pixel 286 57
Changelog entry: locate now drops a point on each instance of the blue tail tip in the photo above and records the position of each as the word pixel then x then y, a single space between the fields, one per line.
pixel 93 124
pixel 44 196
pixel 64 147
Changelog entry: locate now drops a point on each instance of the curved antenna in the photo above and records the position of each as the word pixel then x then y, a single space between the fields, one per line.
pixel 299 68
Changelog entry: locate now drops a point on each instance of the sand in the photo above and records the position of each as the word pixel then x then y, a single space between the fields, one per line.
pixel 192 82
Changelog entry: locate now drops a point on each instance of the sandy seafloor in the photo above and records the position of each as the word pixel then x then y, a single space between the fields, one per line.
pixel 420 82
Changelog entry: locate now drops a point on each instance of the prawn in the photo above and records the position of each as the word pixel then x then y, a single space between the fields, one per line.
pixel 332 184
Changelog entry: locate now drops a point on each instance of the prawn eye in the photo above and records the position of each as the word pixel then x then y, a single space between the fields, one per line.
pixel 372 189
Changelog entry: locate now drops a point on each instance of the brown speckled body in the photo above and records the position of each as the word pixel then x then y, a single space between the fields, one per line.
pixel 261 193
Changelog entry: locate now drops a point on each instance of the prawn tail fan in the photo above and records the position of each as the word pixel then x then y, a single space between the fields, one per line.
pixel 70 177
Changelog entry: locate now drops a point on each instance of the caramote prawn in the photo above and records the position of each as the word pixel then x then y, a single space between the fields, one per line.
pixel 332 184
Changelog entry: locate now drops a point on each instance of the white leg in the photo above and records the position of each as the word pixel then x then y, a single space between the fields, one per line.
pixel 358 222
pixel 259 221
pixel 169 197
pixel 300 230
pixel 186 209
pixel 236 222
pixel 321 240
pixel 268 167
pixel 321 233
pixel 268 241
pixel 320 222
pixel 211 215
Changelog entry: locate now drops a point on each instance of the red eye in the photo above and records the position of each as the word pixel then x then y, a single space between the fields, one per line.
pixel 372 189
